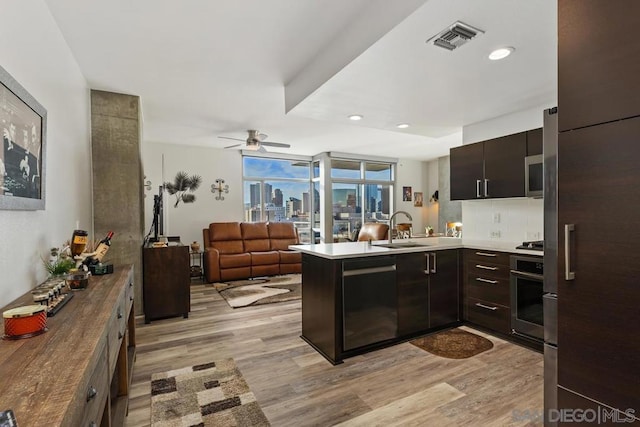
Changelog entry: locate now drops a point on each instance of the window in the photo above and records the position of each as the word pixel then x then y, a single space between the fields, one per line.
pixel 361 192
pixel 278 190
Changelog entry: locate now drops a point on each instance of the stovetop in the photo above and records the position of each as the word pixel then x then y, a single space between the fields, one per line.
pixel 536 245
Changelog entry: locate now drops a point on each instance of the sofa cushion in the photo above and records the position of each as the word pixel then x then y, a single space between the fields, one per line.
pixel 290 257
pixel 255 236
pixel 282 234
pixel 265 258
pixel 226 237
pixel 235 260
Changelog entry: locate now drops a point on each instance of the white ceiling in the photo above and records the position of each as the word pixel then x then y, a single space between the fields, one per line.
pixel 296 69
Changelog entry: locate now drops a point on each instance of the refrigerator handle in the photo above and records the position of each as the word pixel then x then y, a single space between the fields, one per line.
pixel 568 274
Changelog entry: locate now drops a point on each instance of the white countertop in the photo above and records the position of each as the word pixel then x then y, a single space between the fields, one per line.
pixel 360 249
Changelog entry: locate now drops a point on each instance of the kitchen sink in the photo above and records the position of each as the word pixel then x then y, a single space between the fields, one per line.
pixel 400 245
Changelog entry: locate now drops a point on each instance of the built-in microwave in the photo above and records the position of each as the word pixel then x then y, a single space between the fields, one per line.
pixel 534 176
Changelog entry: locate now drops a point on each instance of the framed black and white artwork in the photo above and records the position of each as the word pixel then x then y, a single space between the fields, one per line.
pixel 23 123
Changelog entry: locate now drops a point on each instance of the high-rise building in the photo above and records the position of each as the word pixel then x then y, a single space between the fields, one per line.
pixel 254 194
pixel 294 206
pixel 277 197
pixel 268 193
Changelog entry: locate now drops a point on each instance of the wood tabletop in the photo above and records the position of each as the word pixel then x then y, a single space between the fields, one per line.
pixel 44 376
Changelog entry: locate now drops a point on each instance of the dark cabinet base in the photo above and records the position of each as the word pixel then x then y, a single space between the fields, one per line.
pixel 166 282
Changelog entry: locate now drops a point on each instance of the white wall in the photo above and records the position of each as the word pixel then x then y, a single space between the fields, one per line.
pixel 188 219
pixel 34 52
pixel 521 219
pixel 414 174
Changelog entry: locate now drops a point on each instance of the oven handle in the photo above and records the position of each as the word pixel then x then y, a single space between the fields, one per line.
pixel 524 274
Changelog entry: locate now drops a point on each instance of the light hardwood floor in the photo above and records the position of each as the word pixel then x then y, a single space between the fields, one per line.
pixel 295 386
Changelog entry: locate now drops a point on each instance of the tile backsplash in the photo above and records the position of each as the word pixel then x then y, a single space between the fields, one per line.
pixel 509 220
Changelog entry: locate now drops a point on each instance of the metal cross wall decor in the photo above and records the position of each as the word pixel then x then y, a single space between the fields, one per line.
pixel 218 188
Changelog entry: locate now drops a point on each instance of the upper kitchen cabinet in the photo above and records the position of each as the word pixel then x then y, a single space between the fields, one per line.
pixel 534 142
pixel 598 65
pixel 489 169
pixel 467 171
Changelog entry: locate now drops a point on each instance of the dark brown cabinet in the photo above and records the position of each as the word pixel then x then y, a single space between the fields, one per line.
pixel 467 171
pixel 444 287
pixel 534 142
pixel 354 305
pixel 166 281
pixel 428 290
pixel 598 206
pixel 413 292
pixel 598 315
pixel 598 68
pixel 486 289
pixel 489 169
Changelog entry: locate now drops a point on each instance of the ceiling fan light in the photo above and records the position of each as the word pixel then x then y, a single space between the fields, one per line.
pixel 501 53
pixel 355 117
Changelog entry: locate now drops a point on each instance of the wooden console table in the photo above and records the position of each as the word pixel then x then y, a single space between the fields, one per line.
pixel 78 373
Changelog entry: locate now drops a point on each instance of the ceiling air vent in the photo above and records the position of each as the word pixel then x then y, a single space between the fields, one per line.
pixel 455 36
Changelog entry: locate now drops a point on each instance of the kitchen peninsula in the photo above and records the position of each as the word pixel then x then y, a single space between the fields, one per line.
pixel 359 297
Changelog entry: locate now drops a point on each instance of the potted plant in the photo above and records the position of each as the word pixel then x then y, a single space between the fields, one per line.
pixel 59 262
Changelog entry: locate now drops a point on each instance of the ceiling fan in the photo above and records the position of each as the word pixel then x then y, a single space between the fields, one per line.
pixel 255 142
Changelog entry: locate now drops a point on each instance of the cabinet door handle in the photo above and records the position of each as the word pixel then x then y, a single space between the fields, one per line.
pixel 120 335
pixel 485 254
pixel 480 279
pixel 130 298
pixel 119 313
pixel 485 267
pixel 486 307
pixel 433 270
pixel 568 274
pixel 486 187
pixel 428 258
pixel 91 393
pixel 478 188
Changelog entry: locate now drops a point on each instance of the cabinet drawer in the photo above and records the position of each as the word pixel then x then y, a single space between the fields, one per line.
pixel 91 397
pixel 117 330
pixel 481 268
pixel 129 295
pixel 486 257
pixel 489 315
pixel 487 288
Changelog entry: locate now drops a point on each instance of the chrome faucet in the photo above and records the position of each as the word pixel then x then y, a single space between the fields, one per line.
pixel 407 214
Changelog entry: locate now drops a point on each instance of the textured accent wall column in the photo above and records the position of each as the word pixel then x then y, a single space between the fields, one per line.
pixel 117 177
pixel 450 210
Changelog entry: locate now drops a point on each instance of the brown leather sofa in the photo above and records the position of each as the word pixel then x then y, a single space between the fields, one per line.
pixel 373 231
pixel 234 250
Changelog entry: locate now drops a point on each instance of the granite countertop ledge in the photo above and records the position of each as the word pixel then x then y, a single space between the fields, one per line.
pixel 361 249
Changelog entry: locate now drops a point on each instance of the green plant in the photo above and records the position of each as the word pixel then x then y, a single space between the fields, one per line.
pixel 182 185
pixel 58 263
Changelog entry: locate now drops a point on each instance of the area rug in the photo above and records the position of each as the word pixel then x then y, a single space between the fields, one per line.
pixel 453 344
pixel 213 394
pixel 243 293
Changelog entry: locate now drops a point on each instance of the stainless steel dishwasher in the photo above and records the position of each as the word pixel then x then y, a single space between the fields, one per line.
pixel 369 301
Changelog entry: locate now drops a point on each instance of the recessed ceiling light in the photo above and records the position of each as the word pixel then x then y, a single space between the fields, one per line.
pixel 402 125
pixel 501 53
pixel 355 117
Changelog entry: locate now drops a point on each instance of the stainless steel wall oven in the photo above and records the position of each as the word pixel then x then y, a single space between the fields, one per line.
pixel 526 281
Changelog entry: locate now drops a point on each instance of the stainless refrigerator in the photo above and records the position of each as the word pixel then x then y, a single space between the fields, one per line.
pixel 550 296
